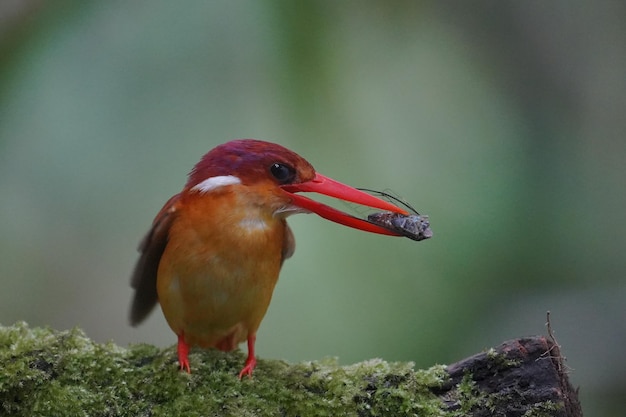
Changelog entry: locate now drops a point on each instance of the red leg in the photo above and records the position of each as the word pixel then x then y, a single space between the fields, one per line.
pixel 183 351
pixel 251 360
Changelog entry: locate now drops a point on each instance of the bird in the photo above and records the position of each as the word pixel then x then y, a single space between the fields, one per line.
pixel 214 251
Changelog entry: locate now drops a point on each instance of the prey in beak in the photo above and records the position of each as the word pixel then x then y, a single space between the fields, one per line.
pixel 394 221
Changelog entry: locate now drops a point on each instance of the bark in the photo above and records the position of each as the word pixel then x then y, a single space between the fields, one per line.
pixel 517 376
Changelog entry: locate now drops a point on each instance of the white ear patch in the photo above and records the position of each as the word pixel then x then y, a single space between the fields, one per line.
pixel 213 183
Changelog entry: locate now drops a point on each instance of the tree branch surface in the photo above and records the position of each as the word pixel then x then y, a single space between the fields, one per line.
pixel 44 372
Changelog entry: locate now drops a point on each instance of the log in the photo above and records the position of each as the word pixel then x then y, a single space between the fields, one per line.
pixel 64 373
pixel 518 377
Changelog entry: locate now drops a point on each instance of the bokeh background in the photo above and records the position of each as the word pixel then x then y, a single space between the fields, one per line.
pixel 504 121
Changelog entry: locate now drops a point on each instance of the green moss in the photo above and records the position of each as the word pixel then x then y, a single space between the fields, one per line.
pixel 466 397
pixel 52 373
pixel 547 409
pixel 61 373
pixel 500 360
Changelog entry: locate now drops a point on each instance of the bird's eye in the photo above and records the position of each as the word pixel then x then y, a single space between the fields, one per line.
pixel 283 173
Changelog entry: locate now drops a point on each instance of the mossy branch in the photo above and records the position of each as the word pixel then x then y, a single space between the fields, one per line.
pixel 64 373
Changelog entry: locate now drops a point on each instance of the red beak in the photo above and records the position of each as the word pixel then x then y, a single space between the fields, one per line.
pixel 327 186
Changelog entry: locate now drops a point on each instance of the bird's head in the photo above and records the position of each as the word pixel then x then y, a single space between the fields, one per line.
pixel 281 173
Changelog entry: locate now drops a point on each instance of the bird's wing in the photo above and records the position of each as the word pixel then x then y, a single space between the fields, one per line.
pixel 144 278
pixel 289 244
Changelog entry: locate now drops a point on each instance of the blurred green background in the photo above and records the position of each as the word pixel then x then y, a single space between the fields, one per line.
pixel 504 121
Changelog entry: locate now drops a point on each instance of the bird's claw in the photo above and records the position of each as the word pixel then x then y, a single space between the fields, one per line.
pixel 248 367
pixel 184 365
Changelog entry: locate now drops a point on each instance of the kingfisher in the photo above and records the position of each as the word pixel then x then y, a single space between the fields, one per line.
pixel 213 254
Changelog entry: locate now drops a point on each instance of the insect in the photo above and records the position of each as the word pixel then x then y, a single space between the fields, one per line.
pixel 414 226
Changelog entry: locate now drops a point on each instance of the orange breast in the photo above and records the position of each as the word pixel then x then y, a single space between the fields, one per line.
pixel 217 274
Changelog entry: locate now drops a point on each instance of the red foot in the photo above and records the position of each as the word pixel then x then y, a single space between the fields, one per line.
pixel 251 360
pixel 183 351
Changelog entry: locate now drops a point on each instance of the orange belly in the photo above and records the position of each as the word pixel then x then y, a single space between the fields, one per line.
pixel 217 274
